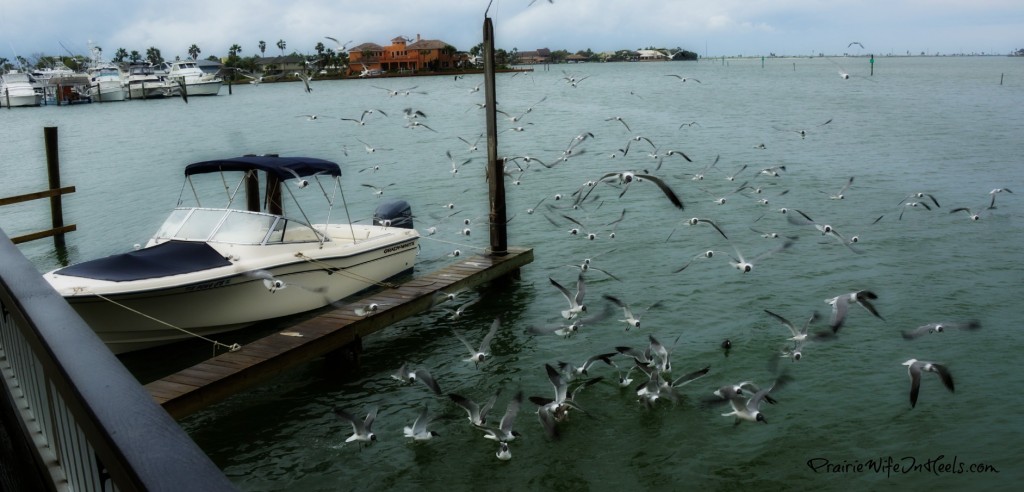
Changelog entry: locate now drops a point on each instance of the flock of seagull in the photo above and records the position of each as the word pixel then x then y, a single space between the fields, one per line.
pixel 645 370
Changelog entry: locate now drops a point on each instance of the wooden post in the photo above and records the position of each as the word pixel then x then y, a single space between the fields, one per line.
pixel 53 171
pixel 7 96
pixel 232 77
pixel 495 166
pixel 252 192
pixel 872 62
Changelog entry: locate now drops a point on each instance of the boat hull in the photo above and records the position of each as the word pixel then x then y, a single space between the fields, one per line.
pixel 20 100
pixel 232 297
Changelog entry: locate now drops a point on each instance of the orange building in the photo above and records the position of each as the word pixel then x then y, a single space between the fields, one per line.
pixel 402 56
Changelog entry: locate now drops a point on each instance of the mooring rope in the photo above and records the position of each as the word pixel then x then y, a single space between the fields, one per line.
pixel 231 348
pixel 454 243
pixel 352 275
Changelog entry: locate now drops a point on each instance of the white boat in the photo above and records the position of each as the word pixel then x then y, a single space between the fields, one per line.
pixel 196 81
pixel 106 83
pixel 209 270
pixel 144 83
pixel 18 89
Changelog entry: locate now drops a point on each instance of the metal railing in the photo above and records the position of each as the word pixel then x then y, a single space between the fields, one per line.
pixel 92 425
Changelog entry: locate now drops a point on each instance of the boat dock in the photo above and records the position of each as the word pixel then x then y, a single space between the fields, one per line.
pixel 213 380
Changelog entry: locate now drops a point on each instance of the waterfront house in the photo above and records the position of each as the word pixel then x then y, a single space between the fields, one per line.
pixel 403 56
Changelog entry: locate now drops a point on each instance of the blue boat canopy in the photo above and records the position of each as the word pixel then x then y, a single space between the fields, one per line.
pixel 282 167
pixel 162 260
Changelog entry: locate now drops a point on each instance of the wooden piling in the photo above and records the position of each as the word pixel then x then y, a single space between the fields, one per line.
pixel 495 166
pixel 53 171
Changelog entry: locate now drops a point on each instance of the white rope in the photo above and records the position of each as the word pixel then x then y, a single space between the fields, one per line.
pixel 352 275
pixel 231 348
pixel 454 243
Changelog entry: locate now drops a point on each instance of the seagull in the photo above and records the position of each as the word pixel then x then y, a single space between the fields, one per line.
pixel 681 78
pixel 361 431
pixel 404 375
pixel 798 335
pixel 459 311
pixel 576 306
pixel 370 149
pixel 631 320
pixel 503 453
pixel 840 306
pixel 841 195
pixel 577 324
pixel 732 177
pixel 620 120
pixel 377 190
pixel 906 205
pixel 340 47
pixel 772 171
pixel 476 413
pixel 855 43
pixel 749 408
pixel 417 124
pixel 745 266
pixel 916 367
pixel 971 214
pixel 300 181
pixel 480 354
pixel 306 79
pixel 939 328
pixel 367 309
pixel 707 254
pixel 993 193
pixel 825 229
pixel 472 146
pixel 572 370
pixel 399 92
pixel 627 177
pixel 921 195
pixel 362 117
pixel 801 132
pixel 504 432
pixel 418 431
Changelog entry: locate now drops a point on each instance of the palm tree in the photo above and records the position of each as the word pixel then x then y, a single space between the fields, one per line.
pixel 234 50
pixel 120 55
pixel 194 51
pixel 134 57
pixel 280 45
pixel 153 56
pixel 263 48
pixel 3 63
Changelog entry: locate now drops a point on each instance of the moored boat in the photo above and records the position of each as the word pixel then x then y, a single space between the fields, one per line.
pixel 209 270
pixel 195 80
pixel 18 89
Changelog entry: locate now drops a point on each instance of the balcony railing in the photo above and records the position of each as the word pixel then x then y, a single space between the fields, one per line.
pixel 91 424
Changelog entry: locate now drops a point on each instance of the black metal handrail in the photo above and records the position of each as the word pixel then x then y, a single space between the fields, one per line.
pixel 88 418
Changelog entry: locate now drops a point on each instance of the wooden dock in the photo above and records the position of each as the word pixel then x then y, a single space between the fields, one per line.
pixel 194 388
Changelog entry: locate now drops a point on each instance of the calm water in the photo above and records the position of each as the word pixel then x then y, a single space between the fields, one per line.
pixel 944 126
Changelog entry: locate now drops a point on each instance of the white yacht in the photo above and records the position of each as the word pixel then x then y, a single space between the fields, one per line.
pixel 106 83
pixel 144 83
pixel 212 268
pixel 18 89
pixel 195 81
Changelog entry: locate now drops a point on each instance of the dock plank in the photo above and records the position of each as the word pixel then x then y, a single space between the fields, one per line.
pixel 215 379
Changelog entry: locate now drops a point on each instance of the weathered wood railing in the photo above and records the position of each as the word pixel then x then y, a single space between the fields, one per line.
pixel 54 194
pixel 91 424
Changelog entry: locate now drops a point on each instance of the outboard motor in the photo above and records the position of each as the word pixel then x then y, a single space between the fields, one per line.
pixel 393 213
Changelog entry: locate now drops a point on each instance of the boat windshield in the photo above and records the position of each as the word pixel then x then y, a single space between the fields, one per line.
pixel 233 226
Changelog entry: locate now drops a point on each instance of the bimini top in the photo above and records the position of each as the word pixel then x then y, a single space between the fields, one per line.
pixel 282 167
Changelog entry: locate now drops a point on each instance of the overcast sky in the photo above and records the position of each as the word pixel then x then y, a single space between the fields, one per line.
pixel 712 27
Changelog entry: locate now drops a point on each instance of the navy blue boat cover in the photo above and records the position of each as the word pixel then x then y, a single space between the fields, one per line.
pixel 283 167
pixel 170 258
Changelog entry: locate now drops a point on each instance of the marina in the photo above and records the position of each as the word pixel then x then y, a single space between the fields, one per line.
pixel 847 400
